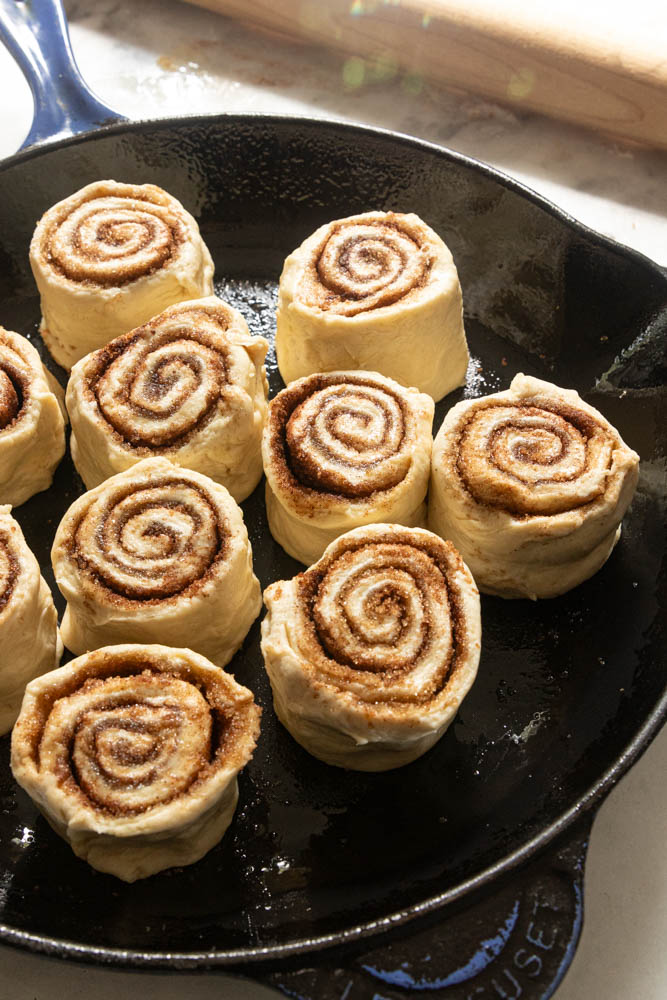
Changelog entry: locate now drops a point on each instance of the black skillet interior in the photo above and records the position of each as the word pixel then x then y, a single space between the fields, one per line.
pixel 563 685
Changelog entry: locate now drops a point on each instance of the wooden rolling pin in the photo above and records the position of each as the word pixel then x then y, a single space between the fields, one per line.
pixel 605 67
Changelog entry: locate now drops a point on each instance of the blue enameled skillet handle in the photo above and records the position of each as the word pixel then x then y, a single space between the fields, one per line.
pixel 516 941
pixel 36 34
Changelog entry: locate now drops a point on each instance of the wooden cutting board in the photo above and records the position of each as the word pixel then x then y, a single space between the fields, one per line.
pixel 598 64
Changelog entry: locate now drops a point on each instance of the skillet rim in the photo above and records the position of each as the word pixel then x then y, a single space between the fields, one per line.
pixel 592 797
pixel 116 127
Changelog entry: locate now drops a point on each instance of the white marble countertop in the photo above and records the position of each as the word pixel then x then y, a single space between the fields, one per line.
pixel 162 57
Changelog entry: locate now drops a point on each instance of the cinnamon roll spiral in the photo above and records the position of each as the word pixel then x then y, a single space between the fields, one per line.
pixel 156 553
pixel 340 450
pixel 108 258
pixel 132 754
pixel 371 651
pixel 189 385
pixel 531 485
pixel 29 634
pixel 378 292
pixel 32 425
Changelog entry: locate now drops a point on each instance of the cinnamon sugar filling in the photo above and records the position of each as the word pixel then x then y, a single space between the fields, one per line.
pixel 339 438
pixel 390 611
pixel 365 264
pixel 150 548
pixel 514 457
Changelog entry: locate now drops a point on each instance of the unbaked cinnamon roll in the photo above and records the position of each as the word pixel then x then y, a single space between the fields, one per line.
pixel 32 426
pixel 378 292
pixel 156 553
pixel 189 385
pixel 132 754
pixel 531 485
pixel 340 450
pixel 29 634
pixel 371 651
pixel 108 258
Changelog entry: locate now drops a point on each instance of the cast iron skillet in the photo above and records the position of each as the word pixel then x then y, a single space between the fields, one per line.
pixel 468 863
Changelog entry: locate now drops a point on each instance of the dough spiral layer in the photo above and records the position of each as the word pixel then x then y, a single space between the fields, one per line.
pixel 132 752
pixel 371 651
pixel 377 292
pixel 31 644
pixel 531 485
pixel 32 425
pixel 340 450
pixel 189 385
pixel 156 553
pixel 108 258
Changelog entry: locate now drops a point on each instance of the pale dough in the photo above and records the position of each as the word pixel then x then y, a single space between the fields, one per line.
pixel 29 635
pixel 109 257
pixel 189 385
pixel 132 754
pixel 531 485
pixel 344 449
pixel 378 292
pixel 32 424
pixel 371 651
pixel 156 553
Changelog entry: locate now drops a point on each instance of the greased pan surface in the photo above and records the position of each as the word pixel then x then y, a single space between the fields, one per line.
pixel 564 686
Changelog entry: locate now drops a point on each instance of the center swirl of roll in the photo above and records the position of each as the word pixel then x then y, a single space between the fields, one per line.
pixel 384 610
pixel 533 460
pixel 153 541
pixel 9 571
pixel 368 265
pixel 10 397
pixel 348 439
pixel 163 383
pixel 113 240
pixel 135 742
